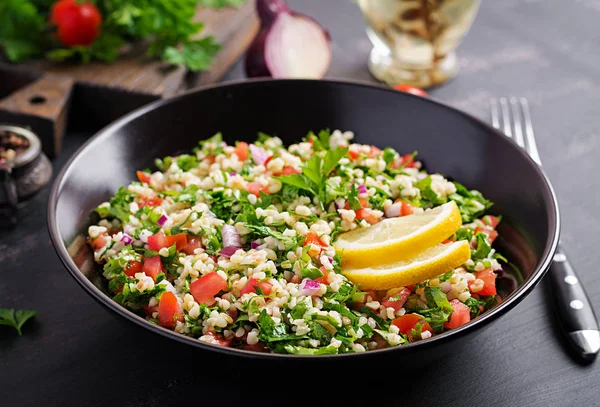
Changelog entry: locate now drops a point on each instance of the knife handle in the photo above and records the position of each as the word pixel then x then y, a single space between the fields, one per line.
pixel 573 308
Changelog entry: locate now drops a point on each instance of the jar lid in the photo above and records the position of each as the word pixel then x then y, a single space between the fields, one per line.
pixel 31 152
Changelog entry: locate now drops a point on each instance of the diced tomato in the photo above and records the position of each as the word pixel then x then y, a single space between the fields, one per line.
pixel 179 239
pixel 375 295
pixel 257 347
pixel 489 282
pixel 407 322
pixel 447 241
pixel 206 287
pixel 408 161
pixel 363 203
pixel 156 201
pixel 256 188
pixel 132 268
pixel 374 152
pixel 397 300
pixel 269 158
pixel 169 310
pixel 405 208
pixel 367 215
pixel 98 242
pixel 498 300
pixel 153 267
pixel 313 238
pixel 220 339
pixel 193 243
pixel 210 159
pixel 157 241
pixel 489 232
pixel 289 171
pixel 460 316
pixel 143 177
pixel 353 153
pixel 241 150
pixel 148 310
pixel 491 220
pixel 250 286
pixel 323 278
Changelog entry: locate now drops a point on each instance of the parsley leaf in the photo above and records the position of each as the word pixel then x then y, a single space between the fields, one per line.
pixel 353 201
pixel 15 318
pixel 300 350
pixel 272 332
pixel 186 162
pixel 315 172
pixel 428 194
pixel 195 55
pixel 471 204
pixel 483 247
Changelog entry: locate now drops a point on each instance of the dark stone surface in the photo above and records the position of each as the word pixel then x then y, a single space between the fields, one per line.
pixel 76 353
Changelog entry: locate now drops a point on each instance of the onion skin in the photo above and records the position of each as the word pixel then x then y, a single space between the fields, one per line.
pixel 255 63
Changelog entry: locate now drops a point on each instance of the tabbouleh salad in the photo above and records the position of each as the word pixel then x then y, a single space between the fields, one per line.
pixel 232 245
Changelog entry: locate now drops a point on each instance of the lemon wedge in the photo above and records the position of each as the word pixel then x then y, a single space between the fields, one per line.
pixel 428 264
pixel 398 238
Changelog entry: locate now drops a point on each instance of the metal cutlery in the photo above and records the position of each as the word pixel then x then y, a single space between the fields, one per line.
pixel 573 308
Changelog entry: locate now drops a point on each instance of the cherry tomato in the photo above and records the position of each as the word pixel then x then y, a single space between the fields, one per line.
pixel 78 23
pixel 460 316
pixel 169 310
pixel 411 89
pixel 206 287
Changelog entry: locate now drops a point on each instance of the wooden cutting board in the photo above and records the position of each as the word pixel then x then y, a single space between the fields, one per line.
pixel 38 94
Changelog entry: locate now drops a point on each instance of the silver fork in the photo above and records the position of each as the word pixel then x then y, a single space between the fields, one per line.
pixel 573 308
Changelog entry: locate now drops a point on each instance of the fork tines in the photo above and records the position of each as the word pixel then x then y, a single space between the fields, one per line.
pixel 512 116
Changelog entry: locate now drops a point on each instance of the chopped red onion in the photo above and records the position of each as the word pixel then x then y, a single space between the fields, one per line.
pixel 162 220
pixel 259 155
pixel 126 239
pixel 230 236
pixel 362 189
pixel 255 245
pixel 229 251
pixel 309 287
pixel 393 211
pixel 232 174
pixel 212 215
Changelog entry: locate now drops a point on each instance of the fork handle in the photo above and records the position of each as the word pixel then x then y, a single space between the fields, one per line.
pixel 573 308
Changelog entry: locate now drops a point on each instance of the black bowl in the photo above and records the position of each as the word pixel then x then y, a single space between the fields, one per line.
pixel 448 141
